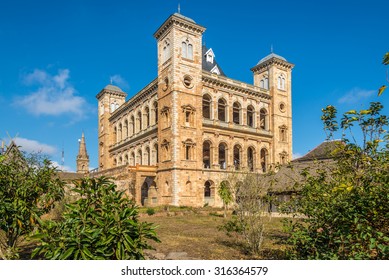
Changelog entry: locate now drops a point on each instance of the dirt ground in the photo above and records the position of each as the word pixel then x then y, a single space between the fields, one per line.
pixel 196 236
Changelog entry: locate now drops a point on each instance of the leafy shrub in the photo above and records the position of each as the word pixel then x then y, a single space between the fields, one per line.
pixel 345 205
pixel 29 188
pixel 101 224
pixel 150 211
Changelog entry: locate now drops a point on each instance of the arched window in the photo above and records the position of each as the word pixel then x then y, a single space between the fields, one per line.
pixel 188 149
pixel 263 119
pixel 165 113
pixel 147 117
pixel 207 154
pixel 281 82
pixel 125 129
pixel 264 160
pixel 126 159
pixel 155 153
pixel 237 156
pixel 147 156
pixel 120 161
pixel 189 115
pixel 120 135
pixel 221 110
pixel 184 49
pixel 250 159
pixel 262 83
pixel 144 194
pixel 207 189
pixel 139 157
pixel 139 121
pixel 222 156
pixel 207 106
pixel 132 159
pixel 155 105
pixel 266 84
pixel 165 150
pixel 166 50
pixel 132 125
pixel 283 133
pixel 250 116
pixel 115 162
pixel 115 130
pixel 283 157
pixel 187 50
pixel 190 51
pixel 236 113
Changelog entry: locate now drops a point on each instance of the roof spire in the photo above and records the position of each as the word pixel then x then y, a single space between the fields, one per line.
pixel 271 48
pixel 179 8
pixel 82 157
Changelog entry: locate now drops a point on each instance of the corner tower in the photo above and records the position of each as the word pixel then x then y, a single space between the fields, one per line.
pixel 274 73
pixel 109 99
pixel 82 157
pixel 179 43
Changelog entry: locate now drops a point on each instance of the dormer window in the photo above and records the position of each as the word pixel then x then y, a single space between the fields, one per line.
pixel 209 56
pixel 215 70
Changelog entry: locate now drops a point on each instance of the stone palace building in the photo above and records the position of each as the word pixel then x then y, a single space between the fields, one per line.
pixel 178 138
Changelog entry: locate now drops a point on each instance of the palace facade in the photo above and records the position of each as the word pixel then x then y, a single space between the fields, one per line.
pixel 178 138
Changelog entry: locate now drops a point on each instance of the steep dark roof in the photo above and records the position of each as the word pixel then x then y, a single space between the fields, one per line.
pixel 323 151
pixel 208 66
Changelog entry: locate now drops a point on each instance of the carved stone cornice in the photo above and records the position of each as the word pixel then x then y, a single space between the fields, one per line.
pixel 235 86
pixel 272 61
pixel 138 98
pixel 180 22
pixel 111 92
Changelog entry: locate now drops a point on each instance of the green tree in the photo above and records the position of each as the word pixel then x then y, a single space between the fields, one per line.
pixel 345 204
pixel 29 187
pixel 226 195
pixel 102 224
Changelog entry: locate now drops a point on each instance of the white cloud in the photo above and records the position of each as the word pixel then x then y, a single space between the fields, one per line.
pixel 296 155
pixel 60 167
pixel 119 81
pixel 355 95
pixel 32 146
pixel 54 95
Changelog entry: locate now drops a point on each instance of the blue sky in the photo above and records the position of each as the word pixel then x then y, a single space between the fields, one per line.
pixel 55 56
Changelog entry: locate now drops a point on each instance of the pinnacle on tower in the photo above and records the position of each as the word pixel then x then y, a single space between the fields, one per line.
pixel 82 157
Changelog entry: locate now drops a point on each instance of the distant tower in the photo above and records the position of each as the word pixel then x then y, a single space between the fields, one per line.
pixel 82 157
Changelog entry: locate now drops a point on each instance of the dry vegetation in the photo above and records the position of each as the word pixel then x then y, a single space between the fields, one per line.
pixel 196 233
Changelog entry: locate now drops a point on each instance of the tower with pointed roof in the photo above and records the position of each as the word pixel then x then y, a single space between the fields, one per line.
pixel 82 157
pixel 110 98
pixel 274 73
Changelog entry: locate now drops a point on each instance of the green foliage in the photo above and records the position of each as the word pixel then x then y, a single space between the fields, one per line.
pixel 29 187
pixel 101 224
pixel 150 211
pixel 226 195
pixel 345 205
